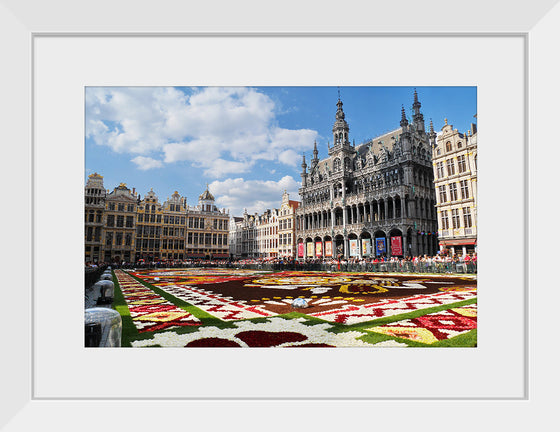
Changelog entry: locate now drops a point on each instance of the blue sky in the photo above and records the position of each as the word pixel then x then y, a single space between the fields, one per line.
pixel 245 142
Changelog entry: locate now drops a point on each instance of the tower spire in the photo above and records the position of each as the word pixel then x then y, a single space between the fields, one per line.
pixel 340 128
pixel 303 172
pixel 315 152
pixel 432 135
pixel 404 121
pixel 418 118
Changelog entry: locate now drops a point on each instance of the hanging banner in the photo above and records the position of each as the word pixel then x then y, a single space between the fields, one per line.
pixel 318 249
pixel 396 245
pixel 300 250
pixel 310 249
pixel 354 247
pixel 328 248
pixel 380 245
pixel 366 247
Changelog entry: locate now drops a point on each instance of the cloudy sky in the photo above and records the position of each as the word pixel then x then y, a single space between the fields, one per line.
pixel 245 143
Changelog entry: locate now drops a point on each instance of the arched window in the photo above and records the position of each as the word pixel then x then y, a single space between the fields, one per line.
pixel 448 146
pixel 336 166
pixel 347 164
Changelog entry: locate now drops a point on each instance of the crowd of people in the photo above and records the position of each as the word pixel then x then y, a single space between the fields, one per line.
pixel 466 263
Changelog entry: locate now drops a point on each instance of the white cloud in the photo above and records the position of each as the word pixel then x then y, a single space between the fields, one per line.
pixel 220 168
pixel 146 163
pixel 254 195
pixel 290 157
pixel 222 130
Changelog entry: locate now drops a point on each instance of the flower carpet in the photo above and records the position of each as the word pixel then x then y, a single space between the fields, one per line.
pixel 249 308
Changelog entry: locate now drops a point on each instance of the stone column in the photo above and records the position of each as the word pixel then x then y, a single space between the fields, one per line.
pixel 412 208
pixel 414 243
pixel 385 209
pixel 378 211
pixel 332 219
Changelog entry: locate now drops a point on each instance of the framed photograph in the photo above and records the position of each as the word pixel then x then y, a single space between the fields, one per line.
pixel 51 380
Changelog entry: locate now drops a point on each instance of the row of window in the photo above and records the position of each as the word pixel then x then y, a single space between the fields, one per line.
pixel 453 191
pixel 285 224
pixel 93 235
pixel 218 224
pixel 207 239
pixel 94 216
pixel 117 238
pixel 174 220
pixel 456 219
pixel 155 244
pixel 93 200
pixel 449 147
pixel 450 165
pixel 149 218
pixel 268 243
pixel 120 221
pixel 285 239
pixel 221 224
pixel 266 231
pixel 120 207
pixel 95 192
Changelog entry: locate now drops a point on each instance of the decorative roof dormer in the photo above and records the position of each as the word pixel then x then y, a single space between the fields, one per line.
pixel 206 195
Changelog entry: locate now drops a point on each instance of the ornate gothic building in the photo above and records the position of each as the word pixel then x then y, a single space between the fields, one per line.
pixel 373 199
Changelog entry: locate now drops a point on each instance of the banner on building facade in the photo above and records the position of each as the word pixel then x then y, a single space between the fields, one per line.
pixel 310 249
pixel 380 246
pixel 366 247
pixel 354 247
pixel 300 250
pixel 328 248
pixel 396 245
pixel 318 249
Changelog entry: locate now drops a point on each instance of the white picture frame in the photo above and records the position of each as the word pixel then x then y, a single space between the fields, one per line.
pixel 21 26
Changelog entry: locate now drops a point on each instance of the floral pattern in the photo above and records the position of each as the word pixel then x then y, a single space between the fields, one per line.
pixel 432 327
pixel 149 311
pixel 276 332
pixel 254 304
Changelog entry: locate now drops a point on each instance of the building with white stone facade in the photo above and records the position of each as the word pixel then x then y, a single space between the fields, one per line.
pixel 236 237
pixel 287 227
pixel 455 171
pixel 373 199
pixel 244 231
pixel 267 234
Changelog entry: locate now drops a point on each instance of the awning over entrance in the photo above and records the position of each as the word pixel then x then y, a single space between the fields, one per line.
pixel 457 242
pixel 196 256
pixel 220 255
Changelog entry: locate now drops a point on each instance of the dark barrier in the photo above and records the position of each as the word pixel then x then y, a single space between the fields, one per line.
pixel 382 267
